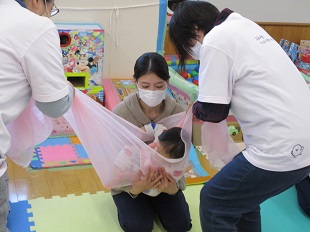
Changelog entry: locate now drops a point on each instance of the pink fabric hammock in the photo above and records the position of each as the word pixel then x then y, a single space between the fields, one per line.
pixel 218 144
pixel 104 136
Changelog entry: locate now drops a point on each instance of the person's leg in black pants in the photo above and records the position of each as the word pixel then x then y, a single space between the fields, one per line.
pixel 303 195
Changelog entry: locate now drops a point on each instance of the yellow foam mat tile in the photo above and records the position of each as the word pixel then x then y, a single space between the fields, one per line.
pixel 92 212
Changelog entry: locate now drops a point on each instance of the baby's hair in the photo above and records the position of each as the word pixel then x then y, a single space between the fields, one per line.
pixel 172 142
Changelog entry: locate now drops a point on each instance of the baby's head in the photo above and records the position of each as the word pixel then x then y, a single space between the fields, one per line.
pixel 170 144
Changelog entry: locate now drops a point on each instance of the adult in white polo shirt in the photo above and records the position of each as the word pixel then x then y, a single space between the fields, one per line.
pixel 244 70
pixel 31 66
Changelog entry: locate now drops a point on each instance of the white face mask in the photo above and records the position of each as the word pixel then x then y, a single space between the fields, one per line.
pixel 152 98
pixel 195 51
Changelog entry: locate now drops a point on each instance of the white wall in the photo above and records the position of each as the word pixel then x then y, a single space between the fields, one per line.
pixel 293 11
pixel 131 29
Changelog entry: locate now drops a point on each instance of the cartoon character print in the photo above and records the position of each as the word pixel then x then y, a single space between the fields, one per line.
pixel 71 59
pixel 82 66
pixel 93 64
pixel 85 54
pixel 297 150
pixel 77 40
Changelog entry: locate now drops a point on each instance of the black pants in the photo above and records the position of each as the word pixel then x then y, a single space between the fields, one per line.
pixel 303 195
pixel 137 214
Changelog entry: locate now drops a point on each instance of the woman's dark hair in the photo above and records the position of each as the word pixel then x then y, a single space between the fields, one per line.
pixel 172 4
pixel 151 62
pixel 187 17
pixel 172 142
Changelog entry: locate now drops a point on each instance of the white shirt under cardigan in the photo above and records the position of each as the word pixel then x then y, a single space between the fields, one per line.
pixel 242 64
pixel 28 58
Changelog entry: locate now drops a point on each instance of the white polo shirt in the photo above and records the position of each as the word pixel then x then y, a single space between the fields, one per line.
pixel 31 65
pixel 240 63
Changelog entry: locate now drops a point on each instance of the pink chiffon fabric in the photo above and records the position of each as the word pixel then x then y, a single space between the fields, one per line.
pixel 218 144
pixel 104 136
pixel 30 128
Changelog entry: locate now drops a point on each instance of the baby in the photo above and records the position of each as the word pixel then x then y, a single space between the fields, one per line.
pixel 169 145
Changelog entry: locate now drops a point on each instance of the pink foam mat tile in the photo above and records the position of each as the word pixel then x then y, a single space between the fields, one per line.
pixel 63 153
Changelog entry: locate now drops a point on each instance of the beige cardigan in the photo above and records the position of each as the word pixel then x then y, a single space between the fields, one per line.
pixel 130 110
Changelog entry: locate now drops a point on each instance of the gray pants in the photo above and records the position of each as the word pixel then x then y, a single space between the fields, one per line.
pixel 4 202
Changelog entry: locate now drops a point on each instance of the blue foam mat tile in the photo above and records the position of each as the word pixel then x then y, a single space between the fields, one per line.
pixel 81 153
pixel 282 214
pixel 193 159
pixel 36 160
pixel 55 141
pixel 18 217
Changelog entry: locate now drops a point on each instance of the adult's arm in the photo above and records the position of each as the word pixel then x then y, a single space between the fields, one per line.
pixel 210 112
pixel 57 108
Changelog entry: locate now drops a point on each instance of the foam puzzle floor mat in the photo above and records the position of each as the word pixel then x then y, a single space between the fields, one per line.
pixel 88 212
pixel 195 173
pixel 282 214
pixel 18 219
pixel 97 213
pixel 59 152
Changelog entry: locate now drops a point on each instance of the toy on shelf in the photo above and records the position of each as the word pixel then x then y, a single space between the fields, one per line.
pixel 304 63
pixel 304 68
pixel 191 72
pixel 191 75
pixel 82 49
pixel 305 46
pixel 173 62
pixel 183 91
pixel 290 48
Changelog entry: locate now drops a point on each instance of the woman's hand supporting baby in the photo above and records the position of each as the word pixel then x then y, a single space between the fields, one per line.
pixel 168 184
pixel 152 179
